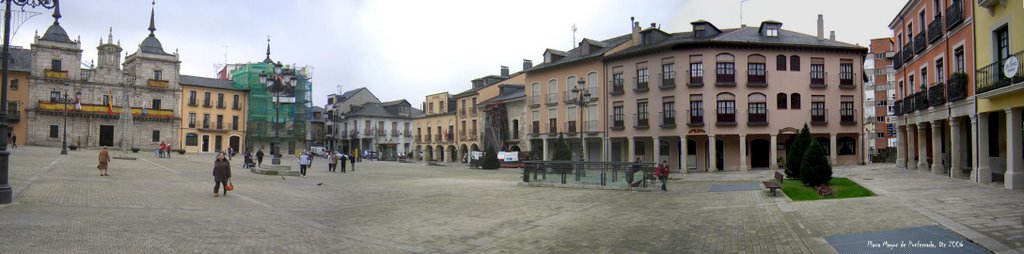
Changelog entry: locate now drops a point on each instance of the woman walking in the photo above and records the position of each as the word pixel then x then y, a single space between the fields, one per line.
pixel 221 174
pixel 104 160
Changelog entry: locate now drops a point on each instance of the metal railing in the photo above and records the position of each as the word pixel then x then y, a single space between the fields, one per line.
pixel 552 98
pixel 640 86
pixel 898 107
pixel 624 175
pixel 992 76
pixel 908 53
pixel 956 86
pixel 696 78
pixel 617 124
pixel 696 116
pixel 908 104
pixel 668 80
pixel 755 118
pixel 935 30
pixel 897 61
pixel 937 94
pixel 954 14
pixel 535 100
pixel 617 88
pixel 818 78
pixel 846 116
pixel 846 79
pixel 641 121
pixel 919 43
pixel 757 79
pixel 819 116
pixel 921 100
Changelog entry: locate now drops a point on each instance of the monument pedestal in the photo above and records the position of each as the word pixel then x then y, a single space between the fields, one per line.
pixel 281 170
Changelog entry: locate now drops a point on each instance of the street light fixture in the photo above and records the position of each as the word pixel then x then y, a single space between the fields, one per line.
pixel 582 101
pixel 64 140
pixel 277 81
pixel 6 195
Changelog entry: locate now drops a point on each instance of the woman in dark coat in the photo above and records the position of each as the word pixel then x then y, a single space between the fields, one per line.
pixel 221 174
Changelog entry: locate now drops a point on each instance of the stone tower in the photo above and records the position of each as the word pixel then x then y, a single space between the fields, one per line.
pixel 109 54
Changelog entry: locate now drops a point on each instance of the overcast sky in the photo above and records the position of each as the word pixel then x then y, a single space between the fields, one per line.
pixel 408 49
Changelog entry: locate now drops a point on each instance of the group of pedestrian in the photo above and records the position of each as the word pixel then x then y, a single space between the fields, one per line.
pixel 164 150
pixel 13 139
pixel 660 171
pixel 335 158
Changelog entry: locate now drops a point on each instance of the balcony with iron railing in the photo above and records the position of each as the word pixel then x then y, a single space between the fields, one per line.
pixel 696 78
pixel 617 122
pixel 757 117
pixel 570 127
pixel 535 128
pixel 935 30
pixel 617 87
pixel 473 135
pixel 462 135
pixel 696 117
pixel 908 53
pixel 394 133
pixel 846 116
pixel 13 115
pixel 954 14
pixel 919 43
pixel 552 99
pixel 592 127
pixel 668 120
pixel 535 100
pixel 472 112
pixel 725 119
pixel 462 112
pixel 726 79
pixel 819 116
pixel 818 79
pixel 956 86
pixel 570 97
pixel 641 121
pixel 417 139
pixel 908 104
pixel 668 80
pixel 921 100
pixel 757 78
pixel 992 76
pixel 640 84
pixel 897 61
pixel 553 128
pixel 846 80
pixel 898 107
pixel 937 94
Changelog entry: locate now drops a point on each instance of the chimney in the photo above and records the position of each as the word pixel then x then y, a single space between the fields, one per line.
pixel 504 71
pixel 635 41
pixel 654 25
pixel 527 64
pixel 821 27
pixel 832 35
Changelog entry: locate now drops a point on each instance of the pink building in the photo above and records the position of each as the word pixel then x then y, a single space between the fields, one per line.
pixel 738 97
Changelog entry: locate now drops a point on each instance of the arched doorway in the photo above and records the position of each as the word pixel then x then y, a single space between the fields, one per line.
pixel 463 153
pixel 691 154
pixel 234 142
pixel 514 149
pixel 440 154
pixel 760 151
pixel 429 154
pixel 453 154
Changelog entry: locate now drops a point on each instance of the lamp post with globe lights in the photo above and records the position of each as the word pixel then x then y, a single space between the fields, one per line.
pixel 278 81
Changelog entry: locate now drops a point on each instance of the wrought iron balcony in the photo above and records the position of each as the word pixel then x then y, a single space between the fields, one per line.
pixel 937 94
pixel 818 79
pixel 535 100
pixel 617 88
pixel 921 100
pixel 956 86
pixel 992 76
pixel 897 61
pixel 641 85
pixel 757 118
pixel 642 121
pixel 935 30
pixel 696 117
pixel 725 79
pixel 13 116
pixel 668 121
pixel 898 108
pixel 757 79
pixel 908 53
pixel 819 116
pixel 846 79
pixel 552 99
pixel 696 78
pixel 846 116
pixel 535 128
pixel 726 119
pixel 954 14
pixel 908 104
pixel 668 80
pixel 617 122
pixel 570 127
pixel 919 43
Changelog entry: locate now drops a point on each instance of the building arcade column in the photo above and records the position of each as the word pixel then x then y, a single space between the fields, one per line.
pixel 657 150
pixel 955 160
pixel 833 154
pixel 544 151
pixel 982 172
pixel 1014 177
pixel 630 149
pixel 937 167
pixel 773 152
pixel 586 152
pixel 911 145
pixel 712 154
pixel 901 152
pixel 743 153
pixel 922 147
pixel 684 158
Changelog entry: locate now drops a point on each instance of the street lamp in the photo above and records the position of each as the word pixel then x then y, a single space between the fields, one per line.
pixel 64 140
pixel 6 195
pixel 276 81
pixel 582 100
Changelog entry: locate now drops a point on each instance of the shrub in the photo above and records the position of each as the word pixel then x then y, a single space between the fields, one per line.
pixel 562 153
pixel 73 147
pixel 815 169
pixel 490 160
pixel 180 151
pixel 824 190
pixel 795 153
pixel 135 150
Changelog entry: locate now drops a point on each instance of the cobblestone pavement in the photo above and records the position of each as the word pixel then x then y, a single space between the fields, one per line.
pixel 166 205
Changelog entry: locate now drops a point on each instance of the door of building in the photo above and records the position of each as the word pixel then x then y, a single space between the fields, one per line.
pixel 759 153
pixel 218 143
pixel 206 143
pixel 720 154
pixel 233 142
pixel 107 135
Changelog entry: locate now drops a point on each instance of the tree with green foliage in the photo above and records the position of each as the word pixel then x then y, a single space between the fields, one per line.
pixel 815 169
pixel 562 153
pixel 490 160
pixel 795 153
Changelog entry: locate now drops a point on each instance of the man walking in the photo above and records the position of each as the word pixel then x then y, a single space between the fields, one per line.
pixel 231 152
pixel 353 161
pixel 259 157
pixel 303 163
pixel 662 173
pixel 342 157
pixel 14 140
pixel 163 146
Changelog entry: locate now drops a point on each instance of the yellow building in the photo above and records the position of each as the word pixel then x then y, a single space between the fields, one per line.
pixel 470 117
pixel 435 131
pixel 213 115
pixel 17 93
pixel 1000 92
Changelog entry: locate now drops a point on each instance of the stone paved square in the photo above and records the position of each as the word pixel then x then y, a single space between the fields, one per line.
pixel 166 205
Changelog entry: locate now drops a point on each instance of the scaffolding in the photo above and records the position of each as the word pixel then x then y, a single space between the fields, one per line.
pixel 295 107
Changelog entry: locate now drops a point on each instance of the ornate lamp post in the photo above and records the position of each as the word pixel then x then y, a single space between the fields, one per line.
pixel 64 140
pixel 582 99
pixel 277 81
pixel 6 195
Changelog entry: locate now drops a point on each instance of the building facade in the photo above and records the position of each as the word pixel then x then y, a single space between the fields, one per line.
pixel 146 84
pixel 215 115
pixel 935 86
pixel 276 113
pixel 470 117
pixel 504 118
pixel 383 129
pixel 1000 92
pixel 701 100
pixel 554 108
pixel 340 136
pixel 879 95
pixel 435 129
pixel 18 76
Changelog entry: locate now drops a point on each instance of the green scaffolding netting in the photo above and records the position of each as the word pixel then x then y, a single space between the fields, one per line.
pixel 263 111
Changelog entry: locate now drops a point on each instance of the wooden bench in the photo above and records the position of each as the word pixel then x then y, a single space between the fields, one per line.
pixel 774 184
